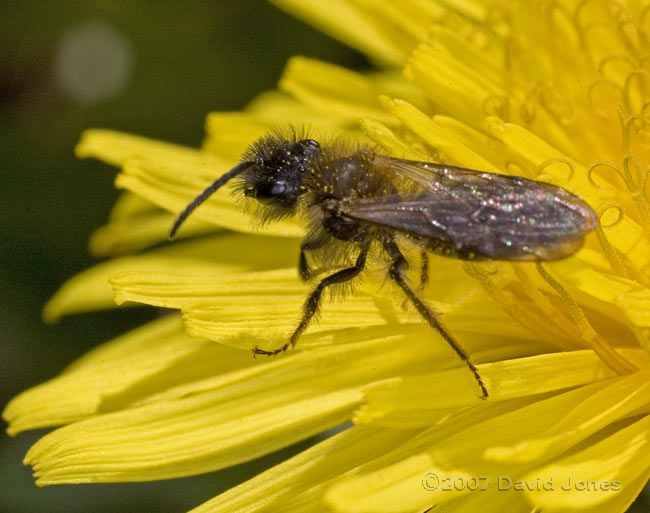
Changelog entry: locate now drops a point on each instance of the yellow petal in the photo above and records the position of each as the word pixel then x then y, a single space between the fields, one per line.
pixel 456 85
pixel 351 24
pixel 459 453
pixel 420 400
pixel 130 205
pixel 177 290
pixel 624 398
pixel 117 148
pixel 484 498
pixel 407 466
pixel 171 176
pixel 223 420
pixel 163 441
pixel 332 89
pixel 172 185
pixel 264 308
pixel 151 359
pixel 386 139
pixel 503 159
pixel 270 490
pixel 605 287
pixel 91 289
pixel 139 232
pixel 435 136
pixel 630 239
pixel 230 133
pixel 599 473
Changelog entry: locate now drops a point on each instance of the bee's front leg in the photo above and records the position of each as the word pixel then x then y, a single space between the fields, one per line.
pixel 308 245
pixel 313 301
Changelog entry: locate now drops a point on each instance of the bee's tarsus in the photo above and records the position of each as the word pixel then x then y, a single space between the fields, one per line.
pixel 257 350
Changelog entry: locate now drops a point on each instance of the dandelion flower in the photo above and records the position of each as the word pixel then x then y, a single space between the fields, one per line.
pixel 556 91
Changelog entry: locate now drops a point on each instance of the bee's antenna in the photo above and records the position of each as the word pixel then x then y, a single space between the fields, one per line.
pixel 206 194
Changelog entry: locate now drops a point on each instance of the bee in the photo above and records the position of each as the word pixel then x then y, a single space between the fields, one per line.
pixel 355 196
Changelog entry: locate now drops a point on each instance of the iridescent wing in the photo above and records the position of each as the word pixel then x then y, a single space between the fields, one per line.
pixel 469 214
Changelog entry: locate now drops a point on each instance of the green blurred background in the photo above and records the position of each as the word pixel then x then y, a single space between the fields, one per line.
pixel 152 68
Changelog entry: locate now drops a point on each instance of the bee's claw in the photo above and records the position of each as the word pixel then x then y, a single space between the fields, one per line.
pixel 257 350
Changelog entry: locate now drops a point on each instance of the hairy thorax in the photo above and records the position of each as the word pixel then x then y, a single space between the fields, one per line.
pixel 339 179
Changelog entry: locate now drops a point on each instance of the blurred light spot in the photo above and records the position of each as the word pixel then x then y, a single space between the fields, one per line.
pixel 93 62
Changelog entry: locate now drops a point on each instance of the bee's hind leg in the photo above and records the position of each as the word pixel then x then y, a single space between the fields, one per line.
pixel 424 270
pixel 313 301
pixel 396 272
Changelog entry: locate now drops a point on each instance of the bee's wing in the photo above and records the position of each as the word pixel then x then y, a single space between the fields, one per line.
pixel 469 214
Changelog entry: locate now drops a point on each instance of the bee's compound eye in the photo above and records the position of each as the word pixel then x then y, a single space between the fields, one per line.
pixel 278 188
pixel 309 143
pixel 308 147
pixel 267 191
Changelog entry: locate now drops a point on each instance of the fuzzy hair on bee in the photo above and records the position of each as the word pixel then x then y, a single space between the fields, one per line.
pixel 354 196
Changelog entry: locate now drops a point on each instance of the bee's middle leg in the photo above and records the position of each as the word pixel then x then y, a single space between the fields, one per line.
pixel 396 273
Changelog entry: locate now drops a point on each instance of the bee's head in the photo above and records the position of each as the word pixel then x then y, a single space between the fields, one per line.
pixel 271 171
pixel 277 171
